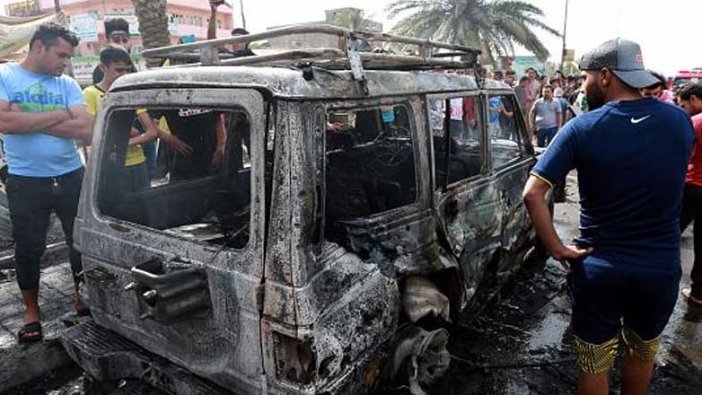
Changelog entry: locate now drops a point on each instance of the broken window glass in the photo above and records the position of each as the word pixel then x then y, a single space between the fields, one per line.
pixel 369 162
pixel 456 131
pixel 504 130
pixel 203 195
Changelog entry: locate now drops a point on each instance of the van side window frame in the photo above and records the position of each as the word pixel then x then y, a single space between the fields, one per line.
pixel 479 97
pixel 411 106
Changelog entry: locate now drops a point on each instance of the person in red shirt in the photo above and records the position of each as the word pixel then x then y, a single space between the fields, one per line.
pixel 690 98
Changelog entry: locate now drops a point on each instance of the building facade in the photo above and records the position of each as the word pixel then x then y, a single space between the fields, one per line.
pixel 186 18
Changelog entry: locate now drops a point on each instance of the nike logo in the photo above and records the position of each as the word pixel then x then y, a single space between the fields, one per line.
pixel 639 120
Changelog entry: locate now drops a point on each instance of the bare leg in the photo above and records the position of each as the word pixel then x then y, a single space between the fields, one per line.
pixel 636 375
pixel 31 305
pixel 593 384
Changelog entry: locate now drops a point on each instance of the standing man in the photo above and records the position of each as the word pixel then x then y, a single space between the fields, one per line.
pixel 631 155
pixel 658 90
pixel 237 50
pixel 523 92
pixel 510 76
pixel 690 97
pixel 546 117
pixel 42 113
pixel 534 81
pixel 114 63
pixel 116 33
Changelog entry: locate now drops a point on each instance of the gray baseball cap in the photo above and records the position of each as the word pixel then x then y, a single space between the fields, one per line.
pixel 623 58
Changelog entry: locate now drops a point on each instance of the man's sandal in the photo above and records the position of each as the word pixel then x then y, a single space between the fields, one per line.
pixel 687 294
pixel 30 333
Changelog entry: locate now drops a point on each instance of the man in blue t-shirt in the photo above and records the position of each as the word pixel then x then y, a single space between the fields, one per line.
pixel 42 113
pixel 631 156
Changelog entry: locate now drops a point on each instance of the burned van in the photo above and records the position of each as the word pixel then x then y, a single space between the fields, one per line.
pixel 336 206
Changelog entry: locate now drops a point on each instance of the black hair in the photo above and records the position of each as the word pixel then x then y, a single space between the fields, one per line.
pixel 547 86
pixel 48 33
pixel 510 72
pixel 524 78
pixel 117 24
pixel 662 82
pixel 113 53
pixel 238 31
pixel 690 90
pixel 534 70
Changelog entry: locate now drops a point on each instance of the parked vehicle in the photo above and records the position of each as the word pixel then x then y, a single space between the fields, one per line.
pixel 360 196
pixel 685 77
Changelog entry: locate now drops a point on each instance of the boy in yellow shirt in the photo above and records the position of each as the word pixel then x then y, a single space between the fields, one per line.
pixel 114 63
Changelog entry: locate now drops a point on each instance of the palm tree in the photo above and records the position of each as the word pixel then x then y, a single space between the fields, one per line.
pixel 153 22
pixel 494 26
pixel 351 18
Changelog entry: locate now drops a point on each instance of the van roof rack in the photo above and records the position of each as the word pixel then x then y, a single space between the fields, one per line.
pixel 346 56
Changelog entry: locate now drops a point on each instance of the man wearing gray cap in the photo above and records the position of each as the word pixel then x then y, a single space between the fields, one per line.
pixel 631 155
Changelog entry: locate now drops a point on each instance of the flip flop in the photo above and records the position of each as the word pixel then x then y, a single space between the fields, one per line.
pixel 687 294
pixel 30 333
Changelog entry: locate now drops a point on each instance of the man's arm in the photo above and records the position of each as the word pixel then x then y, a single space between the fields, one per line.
pixel 221 132
pixel 535 201
pixel 212 24
pixel 531 121
pixel 78 127
pixel 559 117
pixel 14 121
pixel 149 126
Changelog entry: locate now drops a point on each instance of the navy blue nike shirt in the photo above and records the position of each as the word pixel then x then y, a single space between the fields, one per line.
pixel 631 158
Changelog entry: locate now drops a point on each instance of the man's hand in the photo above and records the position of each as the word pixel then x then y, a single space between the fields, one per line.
pixel 215 3
pixel 333 127
pixel 177 144
pixel 217 157
pixel 570 253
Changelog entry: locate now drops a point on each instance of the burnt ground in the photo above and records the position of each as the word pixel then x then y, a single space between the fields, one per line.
pixel 520 342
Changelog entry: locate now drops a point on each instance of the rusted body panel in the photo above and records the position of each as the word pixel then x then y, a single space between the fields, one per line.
pixel 293 311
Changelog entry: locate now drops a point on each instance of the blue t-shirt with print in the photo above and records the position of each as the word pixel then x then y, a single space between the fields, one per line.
pixel 495 105
pixel 39 154
pixel 631 158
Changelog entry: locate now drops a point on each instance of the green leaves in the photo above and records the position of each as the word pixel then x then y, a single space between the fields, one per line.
pixel 493 26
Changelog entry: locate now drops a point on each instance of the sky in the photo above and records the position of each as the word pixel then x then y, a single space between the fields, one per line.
pixel 666 29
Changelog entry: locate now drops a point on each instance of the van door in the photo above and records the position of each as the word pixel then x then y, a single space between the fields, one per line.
pixel 175 263
pixel 466 200
pixel 511 159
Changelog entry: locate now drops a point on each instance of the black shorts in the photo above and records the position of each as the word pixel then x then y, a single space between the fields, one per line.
pixel 607 297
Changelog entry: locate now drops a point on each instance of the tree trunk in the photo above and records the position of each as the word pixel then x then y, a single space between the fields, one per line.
pixel 153 25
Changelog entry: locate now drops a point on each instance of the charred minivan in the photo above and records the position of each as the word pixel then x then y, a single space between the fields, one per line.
pixel 335 207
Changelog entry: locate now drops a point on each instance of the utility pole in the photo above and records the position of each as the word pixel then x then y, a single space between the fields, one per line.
pixel 243 18
pixel 565 28
pixel 57 6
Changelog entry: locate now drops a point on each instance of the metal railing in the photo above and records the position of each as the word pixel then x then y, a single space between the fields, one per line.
pixel 428 55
